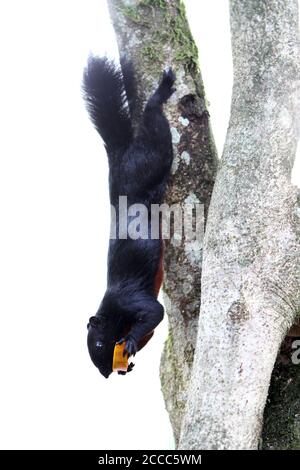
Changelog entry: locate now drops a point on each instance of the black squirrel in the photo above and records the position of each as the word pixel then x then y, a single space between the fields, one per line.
pixel 139 168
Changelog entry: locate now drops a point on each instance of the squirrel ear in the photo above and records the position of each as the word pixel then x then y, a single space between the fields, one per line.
pixel 94 321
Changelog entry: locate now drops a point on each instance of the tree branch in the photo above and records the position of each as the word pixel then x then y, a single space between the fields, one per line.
pixel 251 258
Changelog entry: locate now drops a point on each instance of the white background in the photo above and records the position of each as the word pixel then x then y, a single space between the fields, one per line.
pixel 54 230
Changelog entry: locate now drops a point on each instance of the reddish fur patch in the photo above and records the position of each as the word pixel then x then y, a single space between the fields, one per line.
pixel 145 340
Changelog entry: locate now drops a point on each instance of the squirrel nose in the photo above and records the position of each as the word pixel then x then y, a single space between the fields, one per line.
pixel 105 373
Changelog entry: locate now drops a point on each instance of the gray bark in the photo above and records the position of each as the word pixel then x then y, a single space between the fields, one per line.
pixel 251 258
pixel 154 34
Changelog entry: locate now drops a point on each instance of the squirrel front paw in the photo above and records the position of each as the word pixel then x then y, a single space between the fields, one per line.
pixel 130 345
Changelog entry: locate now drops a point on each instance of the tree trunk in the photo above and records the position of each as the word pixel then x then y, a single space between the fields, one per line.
pixel 154 34
pixel 251 257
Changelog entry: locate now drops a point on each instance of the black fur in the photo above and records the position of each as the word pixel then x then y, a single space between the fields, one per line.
pixel 138 168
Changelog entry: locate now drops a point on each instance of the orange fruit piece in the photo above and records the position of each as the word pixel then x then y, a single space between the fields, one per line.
pixel 120 361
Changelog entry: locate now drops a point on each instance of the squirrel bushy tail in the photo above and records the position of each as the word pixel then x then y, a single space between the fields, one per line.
pixel 105 95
